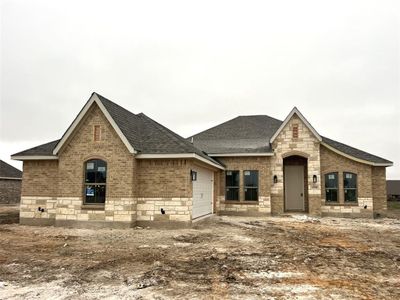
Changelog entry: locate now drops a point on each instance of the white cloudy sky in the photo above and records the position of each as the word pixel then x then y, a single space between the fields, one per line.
pixel 193 64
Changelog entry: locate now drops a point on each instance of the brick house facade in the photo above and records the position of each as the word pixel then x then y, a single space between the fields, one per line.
pixel 10 184
pixel 119 169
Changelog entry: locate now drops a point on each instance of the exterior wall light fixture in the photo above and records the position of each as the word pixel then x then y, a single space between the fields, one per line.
pixel 275 179
pixel 314 179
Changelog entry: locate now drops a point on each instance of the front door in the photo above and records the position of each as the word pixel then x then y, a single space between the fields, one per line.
pixel 294 188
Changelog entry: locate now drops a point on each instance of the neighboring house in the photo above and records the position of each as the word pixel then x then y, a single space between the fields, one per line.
pixel 115 168
pixel 393 189
pixel 10 184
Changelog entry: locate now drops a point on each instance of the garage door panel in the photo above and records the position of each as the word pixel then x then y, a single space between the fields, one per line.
pixel 202 193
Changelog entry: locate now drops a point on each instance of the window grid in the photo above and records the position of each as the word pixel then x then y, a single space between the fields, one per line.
pixel 250 185
pixel 350 187
pixel 232 183
pixel 95 181
pixel 331 187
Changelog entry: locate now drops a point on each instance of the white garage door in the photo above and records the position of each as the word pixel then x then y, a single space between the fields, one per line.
pixel 202 193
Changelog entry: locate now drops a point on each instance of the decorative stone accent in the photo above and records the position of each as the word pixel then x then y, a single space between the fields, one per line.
pixel 29 207
pixel 176 209
pixel 363 208
pixel 306 145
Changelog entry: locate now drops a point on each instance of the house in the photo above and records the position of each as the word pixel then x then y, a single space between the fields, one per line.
pixel 115 168
pixel 393 189
pixel 10 184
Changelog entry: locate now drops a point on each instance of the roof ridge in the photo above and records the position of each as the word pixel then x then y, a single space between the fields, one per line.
pixel 102 98
pixel 192 136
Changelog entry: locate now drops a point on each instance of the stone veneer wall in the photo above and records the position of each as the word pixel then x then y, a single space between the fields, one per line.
pixel 10 191
pixel 242 207
pixel 333 162
pixel 305 145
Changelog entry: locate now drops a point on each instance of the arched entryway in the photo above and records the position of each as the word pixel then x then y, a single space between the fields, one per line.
pixel 295 183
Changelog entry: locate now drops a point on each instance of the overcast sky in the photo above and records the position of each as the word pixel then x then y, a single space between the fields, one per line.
pixel 191 65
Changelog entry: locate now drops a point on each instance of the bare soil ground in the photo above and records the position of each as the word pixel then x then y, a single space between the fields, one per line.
pixel 291 257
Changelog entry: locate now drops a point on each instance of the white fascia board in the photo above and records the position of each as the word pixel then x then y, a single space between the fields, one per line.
pixel 240 154
pixel 11 178
pixel 179 155
pixel 355 158
pixel 34 157
pixel 78 119
pixel 298 113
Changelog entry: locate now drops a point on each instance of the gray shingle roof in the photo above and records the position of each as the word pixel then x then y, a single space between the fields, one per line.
pixel 9 171
pixel 251 134
pixel 41 150
pixel 355 152
pixel 145 135
pixel 243 134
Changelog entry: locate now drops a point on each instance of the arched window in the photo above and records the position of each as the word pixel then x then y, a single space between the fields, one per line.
pixel 95 181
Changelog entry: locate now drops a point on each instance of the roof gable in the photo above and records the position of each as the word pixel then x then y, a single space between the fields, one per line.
pixel 302 118
pixel 94 98
pixel 140 134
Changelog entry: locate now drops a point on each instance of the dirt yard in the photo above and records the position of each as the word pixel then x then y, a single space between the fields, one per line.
pixel 221 258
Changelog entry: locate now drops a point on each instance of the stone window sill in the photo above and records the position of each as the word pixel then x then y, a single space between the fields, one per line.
pixel 92 207
pixel 341 204
pixel 240 202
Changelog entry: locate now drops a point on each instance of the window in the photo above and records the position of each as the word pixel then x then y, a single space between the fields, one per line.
pixel 331 187
pixel 350 187
pixel 96 133
pixel 95 181
pixel 295 131
pixel 232 185
pixel 251 185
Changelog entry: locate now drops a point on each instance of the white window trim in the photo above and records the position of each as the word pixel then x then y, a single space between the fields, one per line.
pixel 34 157
pixel 240 154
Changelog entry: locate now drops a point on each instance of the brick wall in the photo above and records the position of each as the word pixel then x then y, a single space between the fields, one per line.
pixel 333 162
pixel 262 206
pixel 82 147
pixel 135 190
pixel 164 178
pixel 379 190
pixel 305 145
pixel 40 178
pixel 10 191
pixel 39 189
